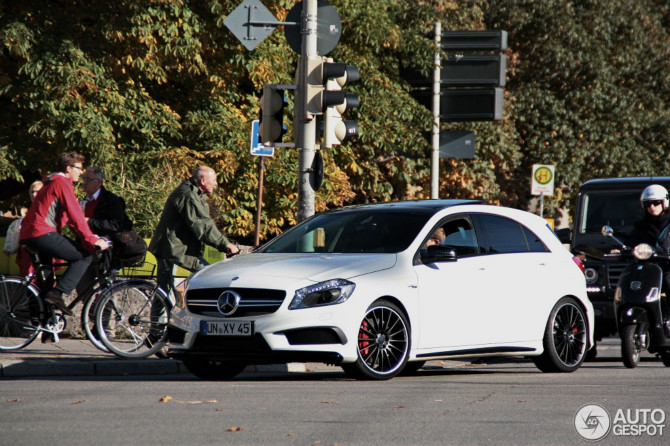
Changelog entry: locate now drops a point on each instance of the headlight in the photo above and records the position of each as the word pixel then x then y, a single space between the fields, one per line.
pixel 591 275
pixel 180 293
pixel 330 292
pixel 643 251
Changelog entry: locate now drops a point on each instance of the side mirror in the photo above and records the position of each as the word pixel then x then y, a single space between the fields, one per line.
pixel 607 231
pixel 438 253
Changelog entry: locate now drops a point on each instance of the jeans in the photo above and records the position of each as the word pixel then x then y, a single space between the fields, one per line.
pixel 55 245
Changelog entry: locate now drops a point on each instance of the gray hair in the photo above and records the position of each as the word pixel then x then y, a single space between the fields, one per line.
pixel 97 172
pixel 202 171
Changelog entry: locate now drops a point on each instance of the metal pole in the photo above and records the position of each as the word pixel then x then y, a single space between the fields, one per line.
pixel 435 154
pixel 259 205
pixel 307 126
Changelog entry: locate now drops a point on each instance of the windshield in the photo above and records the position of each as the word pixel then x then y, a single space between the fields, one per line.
pixel 351 231
pixel 620 210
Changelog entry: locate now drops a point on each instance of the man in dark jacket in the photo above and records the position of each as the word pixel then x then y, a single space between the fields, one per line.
pixel 185 227
pixel 105 212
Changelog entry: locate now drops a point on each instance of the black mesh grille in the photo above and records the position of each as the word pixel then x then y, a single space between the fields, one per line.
pixel 311 336
pixel 253 302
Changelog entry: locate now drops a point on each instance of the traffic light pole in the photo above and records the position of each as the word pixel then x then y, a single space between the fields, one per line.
pixel 306 122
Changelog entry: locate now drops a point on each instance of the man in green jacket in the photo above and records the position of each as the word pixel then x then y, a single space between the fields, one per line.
pixel 185 227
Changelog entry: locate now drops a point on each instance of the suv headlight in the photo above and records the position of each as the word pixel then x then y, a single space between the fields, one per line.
pixel 591 275
pixel 330 292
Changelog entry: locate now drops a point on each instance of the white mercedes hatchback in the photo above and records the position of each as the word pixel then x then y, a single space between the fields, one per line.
pixel 380 289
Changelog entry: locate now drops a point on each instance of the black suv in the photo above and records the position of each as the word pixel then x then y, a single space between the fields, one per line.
pixel 614 202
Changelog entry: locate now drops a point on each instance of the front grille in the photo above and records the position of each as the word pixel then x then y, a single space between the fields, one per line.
pixel 253 302
pixel 614 272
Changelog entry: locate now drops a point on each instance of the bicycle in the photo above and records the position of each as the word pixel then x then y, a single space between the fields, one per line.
pixel 24 314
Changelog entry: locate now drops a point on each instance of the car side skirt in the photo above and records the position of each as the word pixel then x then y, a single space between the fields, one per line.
pixel 478 352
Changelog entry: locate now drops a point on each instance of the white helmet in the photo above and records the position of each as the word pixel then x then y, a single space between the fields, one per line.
pixel 653 193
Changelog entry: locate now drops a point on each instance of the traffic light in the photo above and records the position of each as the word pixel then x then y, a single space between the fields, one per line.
pixel 335 129
pixel 325 97
pixel 271 116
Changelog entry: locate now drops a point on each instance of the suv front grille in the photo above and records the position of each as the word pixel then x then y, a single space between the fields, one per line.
pixel 253 302
pixel 614 272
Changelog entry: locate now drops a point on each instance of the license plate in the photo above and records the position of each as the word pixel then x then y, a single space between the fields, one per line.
pixel 226 328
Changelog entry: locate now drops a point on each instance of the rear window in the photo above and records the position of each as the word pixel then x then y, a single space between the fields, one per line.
pixel 507 236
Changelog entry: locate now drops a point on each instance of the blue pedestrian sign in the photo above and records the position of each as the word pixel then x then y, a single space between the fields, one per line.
pixel 257 147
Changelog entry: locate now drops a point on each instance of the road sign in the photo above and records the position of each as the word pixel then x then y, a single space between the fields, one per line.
pixel 328 28
pixel 457 144
pixel 542 181
pixel 474 104
pixel 474 41
pixel 251 22
pixel 464 70
pixel 257 147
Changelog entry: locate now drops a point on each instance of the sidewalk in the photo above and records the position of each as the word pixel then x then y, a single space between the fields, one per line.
pixel 78 357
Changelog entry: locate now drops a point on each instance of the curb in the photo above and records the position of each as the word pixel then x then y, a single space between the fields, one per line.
pixel 32 368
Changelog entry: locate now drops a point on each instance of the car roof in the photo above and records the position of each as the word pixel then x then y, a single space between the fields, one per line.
pixel 424 206
pixel 623 183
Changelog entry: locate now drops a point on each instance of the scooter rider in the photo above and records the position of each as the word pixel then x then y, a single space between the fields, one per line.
pixel 654 201
pixel 653 228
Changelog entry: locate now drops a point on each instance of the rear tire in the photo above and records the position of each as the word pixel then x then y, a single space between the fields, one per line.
pixel 565 338
pixel 132 317
pixel 21 311
pixel 383 342
pixel 630 346
pixel 210 369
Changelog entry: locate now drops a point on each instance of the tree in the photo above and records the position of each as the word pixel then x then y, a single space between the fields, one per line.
pixel 149 89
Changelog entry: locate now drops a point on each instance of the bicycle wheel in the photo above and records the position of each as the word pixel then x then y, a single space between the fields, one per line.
pixel 132 318
pixel 88 321
pixel 21 309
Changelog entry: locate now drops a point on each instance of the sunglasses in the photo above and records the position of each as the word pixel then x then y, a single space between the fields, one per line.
pixel 653 203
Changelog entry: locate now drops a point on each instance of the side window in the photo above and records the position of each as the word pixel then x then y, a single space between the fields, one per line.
pixel 502 235
pixel 458 234
pixel 534 242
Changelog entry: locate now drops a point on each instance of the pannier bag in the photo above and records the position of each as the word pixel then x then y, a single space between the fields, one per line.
pixel 128 245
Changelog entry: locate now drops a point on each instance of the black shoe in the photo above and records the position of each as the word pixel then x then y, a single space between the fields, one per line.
pixel 47 337
pixel 53 298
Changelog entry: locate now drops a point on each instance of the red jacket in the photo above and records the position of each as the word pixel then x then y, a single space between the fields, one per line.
pixel 54 206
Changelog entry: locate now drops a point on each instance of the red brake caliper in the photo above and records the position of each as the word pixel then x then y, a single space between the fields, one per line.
pixel 362 334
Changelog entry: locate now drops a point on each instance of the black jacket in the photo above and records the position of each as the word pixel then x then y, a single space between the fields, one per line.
pixel 109 216
pixel 648 229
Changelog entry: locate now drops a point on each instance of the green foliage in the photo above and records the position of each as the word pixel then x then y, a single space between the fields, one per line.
pixel 149 89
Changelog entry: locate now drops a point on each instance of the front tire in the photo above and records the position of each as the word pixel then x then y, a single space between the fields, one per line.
pixel 630 346
pixel 383 343
pixel 210 369
pixel 565 338
pixel 665 358
pixel 131 319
